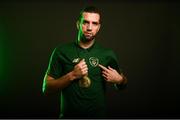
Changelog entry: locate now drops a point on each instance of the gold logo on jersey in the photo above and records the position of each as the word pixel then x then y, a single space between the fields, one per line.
pixel 93 61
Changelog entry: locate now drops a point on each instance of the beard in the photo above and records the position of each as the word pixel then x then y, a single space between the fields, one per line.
pixel 87 38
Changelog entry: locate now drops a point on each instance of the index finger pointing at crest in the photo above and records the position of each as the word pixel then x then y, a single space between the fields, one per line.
pixel 102 67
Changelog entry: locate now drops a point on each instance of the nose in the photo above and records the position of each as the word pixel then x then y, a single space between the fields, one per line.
pixel 89 27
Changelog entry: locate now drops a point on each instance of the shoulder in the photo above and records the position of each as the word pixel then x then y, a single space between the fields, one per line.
pixel 108 53
pixel 64 47
pixel 106 50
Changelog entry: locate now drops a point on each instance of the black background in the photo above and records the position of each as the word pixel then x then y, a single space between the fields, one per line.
pixel 144 34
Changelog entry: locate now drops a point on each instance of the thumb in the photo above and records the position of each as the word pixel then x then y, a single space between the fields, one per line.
pixel 82 60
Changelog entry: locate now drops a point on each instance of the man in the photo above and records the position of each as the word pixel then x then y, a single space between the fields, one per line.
pixel 80 70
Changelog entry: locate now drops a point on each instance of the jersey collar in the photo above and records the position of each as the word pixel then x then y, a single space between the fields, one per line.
pixel 88 49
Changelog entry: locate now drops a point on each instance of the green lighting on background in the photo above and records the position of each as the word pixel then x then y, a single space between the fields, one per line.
pixel 3 56
pixel 2 38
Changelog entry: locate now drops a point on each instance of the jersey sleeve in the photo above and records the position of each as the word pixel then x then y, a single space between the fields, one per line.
pixel 55 67
pixel 114 63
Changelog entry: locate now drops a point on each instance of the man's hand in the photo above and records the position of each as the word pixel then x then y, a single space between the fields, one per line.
pixel 80 69
pixel 110 74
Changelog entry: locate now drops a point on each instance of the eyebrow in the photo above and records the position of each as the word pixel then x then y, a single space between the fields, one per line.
pixel 95 22
pixel 92 22
pixel 86 21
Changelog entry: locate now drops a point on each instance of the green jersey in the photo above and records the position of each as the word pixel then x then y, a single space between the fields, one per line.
pixel 77 101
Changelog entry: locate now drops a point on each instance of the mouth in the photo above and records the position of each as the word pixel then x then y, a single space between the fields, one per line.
pixel 88 34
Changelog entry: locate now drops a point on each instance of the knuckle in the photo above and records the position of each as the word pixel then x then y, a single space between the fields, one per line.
pixel 84 72
pixel 78 65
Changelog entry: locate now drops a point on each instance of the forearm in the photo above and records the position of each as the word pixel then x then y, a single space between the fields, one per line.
pixel 53 85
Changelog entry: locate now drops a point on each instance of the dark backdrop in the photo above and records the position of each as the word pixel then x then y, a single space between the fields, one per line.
pixel 144 34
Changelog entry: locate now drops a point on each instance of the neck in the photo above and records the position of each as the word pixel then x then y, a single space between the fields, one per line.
pixel 86 44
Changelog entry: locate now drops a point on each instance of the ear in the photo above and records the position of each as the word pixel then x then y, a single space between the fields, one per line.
pixel 77 25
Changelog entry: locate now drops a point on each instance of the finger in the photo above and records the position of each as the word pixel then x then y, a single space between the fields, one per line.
pixel 85 69
pixel 83 60
pixel 84 66
pixel 105 77
pixel 110 68
pixel 85 72
pixel 102 67
pixel 105 73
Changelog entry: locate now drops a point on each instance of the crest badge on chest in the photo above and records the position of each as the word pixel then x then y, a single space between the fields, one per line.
pixel 93 61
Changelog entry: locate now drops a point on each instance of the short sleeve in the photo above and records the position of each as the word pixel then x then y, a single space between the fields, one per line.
pixel 114 62
pixel 55 67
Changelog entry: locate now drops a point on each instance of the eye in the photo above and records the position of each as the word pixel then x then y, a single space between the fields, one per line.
pixel 85 22
pixel 95 23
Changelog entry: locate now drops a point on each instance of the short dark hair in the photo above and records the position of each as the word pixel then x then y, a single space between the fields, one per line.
pixel 90 9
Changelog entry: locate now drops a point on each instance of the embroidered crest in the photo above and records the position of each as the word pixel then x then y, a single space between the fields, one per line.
pixel 93 61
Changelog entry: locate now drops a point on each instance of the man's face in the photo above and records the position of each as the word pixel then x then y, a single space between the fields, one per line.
pixel 89 26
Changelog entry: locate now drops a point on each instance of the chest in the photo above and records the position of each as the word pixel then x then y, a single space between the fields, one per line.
pixel 92 59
